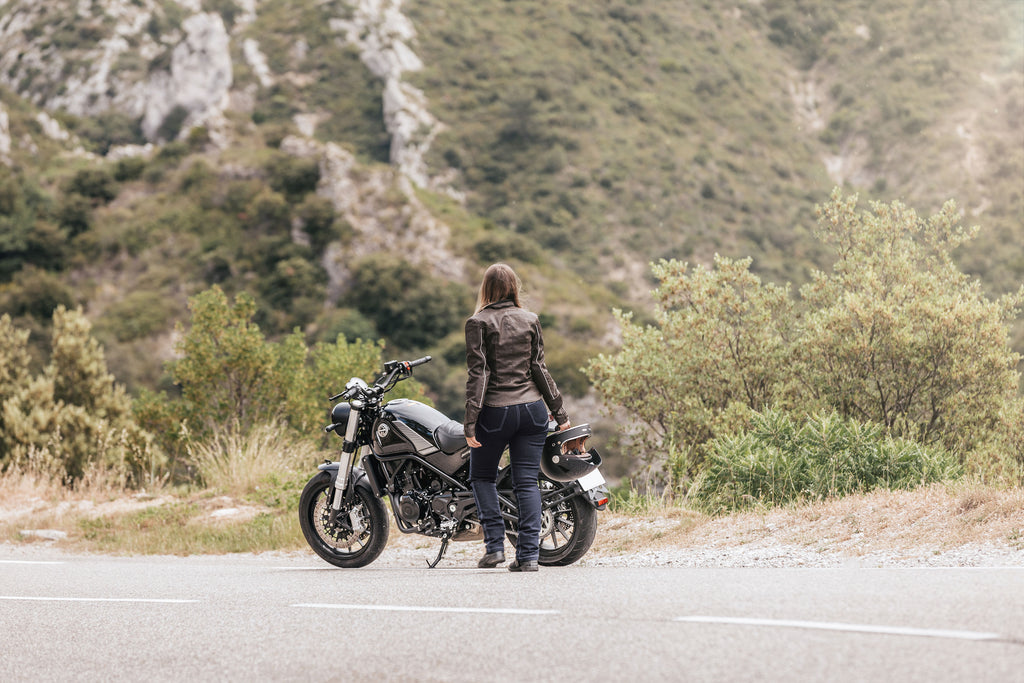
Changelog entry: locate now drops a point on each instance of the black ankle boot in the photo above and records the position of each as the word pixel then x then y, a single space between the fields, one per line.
pixel 491 559
pixel 528 566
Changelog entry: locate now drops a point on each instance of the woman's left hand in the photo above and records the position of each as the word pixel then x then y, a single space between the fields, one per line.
pixel 473 443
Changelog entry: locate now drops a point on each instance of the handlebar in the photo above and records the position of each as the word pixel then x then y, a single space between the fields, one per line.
pixel 393 371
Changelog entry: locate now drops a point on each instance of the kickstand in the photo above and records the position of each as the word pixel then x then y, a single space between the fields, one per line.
pixel 440 553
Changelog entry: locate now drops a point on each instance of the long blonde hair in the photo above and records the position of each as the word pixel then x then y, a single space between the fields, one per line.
pixel 500 283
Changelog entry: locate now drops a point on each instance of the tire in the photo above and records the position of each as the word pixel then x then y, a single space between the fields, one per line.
pixel 567 530
pixel 338 543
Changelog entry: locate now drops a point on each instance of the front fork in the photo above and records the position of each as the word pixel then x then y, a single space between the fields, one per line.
pixel 348 454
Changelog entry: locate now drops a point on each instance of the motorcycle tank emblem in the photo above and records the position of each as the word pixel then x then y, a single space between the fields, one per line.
pixel 382 431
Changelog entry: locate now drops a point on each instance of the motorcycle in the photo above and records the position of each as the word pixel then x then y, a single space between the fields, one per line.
pixel 418 458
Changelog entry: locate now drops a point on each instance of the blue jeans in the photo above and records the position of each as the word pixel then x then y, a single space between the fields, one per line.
pixel 522 428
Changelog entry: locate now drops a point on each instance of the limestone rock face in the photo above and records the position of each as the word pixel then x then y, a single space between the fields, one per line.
pixel 382 34
pixel 51 127
pixel 365 199
pixel 89 79
pixel 5 137
pixel 199 78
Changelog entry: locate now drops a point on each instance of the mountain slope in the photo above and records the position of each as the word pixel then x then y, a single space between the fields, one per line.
pixel 686 129
pixel 302 149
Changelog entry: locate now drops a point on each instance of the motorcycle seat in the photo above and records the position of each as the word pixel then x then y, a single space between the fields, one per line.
pixel 450 437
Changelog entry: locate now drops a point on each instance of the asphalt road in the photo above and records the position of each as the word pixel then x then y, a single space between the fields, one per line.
pixel 294 618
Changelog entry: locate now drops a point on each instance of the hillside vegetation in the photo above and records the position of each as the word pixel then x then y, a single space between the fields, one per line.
pixel 661 129
pixel 579 142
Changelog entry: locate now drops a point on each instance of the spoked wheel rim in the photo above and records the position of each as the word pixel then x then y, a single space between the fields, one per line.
pixel 558 528
pixel 557 524
pixel 350 534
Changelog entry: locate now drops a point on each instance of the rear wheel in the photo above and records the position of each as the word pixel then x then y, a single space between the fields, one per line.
pixel 567 529
pixel 360 532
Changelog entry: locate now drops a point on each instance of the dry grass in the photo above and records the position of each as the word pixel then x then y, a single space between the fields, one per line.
pixel 163 522
pixel 28 491
pixel 247 506
pixel 236 462
pixel 32 500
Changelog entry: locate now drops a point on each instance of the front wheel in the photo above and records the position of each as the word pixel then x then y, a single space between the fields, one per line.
pixel 567 530
pixel 358 535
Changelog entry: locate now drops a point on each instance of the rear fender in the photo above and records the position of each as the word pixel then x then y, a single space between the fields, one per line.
pixel 598 497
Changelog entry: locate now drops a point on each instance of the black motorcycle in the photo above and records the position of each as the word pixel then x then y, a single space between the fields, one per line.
pixel 418 458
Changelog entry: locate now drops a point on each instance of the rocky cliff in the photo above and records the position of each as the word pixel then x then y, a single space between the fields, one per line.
pixel 171 65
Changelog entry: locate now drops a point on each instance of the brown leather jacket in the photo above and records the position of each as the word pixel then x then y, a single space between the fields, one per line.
pixel 505 359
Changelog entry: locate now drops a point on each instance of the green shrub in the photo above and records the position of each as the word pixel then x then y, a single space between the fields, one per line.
pixel 232 378
pixel 495 247
pixel 897 334
pixel 226 369
pixel 319 222
pixel 292 176
pixel 198 138
pixel 172 123
pixel 24 237
pixel 410 306
pixel 269 213
pixel 35 293
pixel 95 183
pixel 129 168
pixel 293 293
pixel 199 176
pixel 564 358
pixel 719 348
pixel 74 214
pixel 140 314
pixel 346 322
pixel 106 130
pixel 778 460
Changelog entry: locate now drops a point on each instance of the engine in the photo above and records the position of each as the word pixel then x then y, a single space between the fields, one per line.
pixel 429 507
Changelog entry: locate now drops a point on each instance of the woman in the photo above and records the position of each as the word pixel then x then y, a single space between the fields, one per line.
pixel 508 395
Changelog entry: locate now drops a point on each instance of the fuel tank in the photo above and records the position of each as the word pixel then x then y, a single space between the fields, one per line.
pixel 410 426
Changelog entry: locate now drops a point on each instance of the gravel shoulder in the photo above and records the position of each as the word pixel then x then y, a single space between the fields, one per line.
pixel 936 526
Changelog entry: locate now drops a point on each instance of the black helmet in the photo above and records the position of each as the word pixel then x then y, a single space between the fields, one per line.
pixel 565 458
pixel 339 418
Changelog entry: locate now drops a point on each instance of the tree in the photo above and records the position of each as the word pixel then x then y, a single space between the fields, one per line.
pixel 895 334
pixel 226 370
pixel 26 237
pixel 74 411
pixel 718 351
pixel 233 378
pixel 14 359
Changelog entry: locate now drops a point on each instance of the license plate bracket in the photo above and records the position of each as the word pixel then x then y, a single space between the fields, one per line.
pixel 591 480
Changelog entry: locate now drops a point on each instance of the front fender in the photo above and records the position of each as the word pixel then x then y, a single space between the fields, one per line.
pixel 358 477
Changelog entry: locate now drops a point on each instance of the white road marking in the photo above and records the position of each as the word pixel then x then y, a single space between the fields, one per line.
pixel 855 628
pixel 50 599
pixel 961 569
pixel 29 562
pixel 411 608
